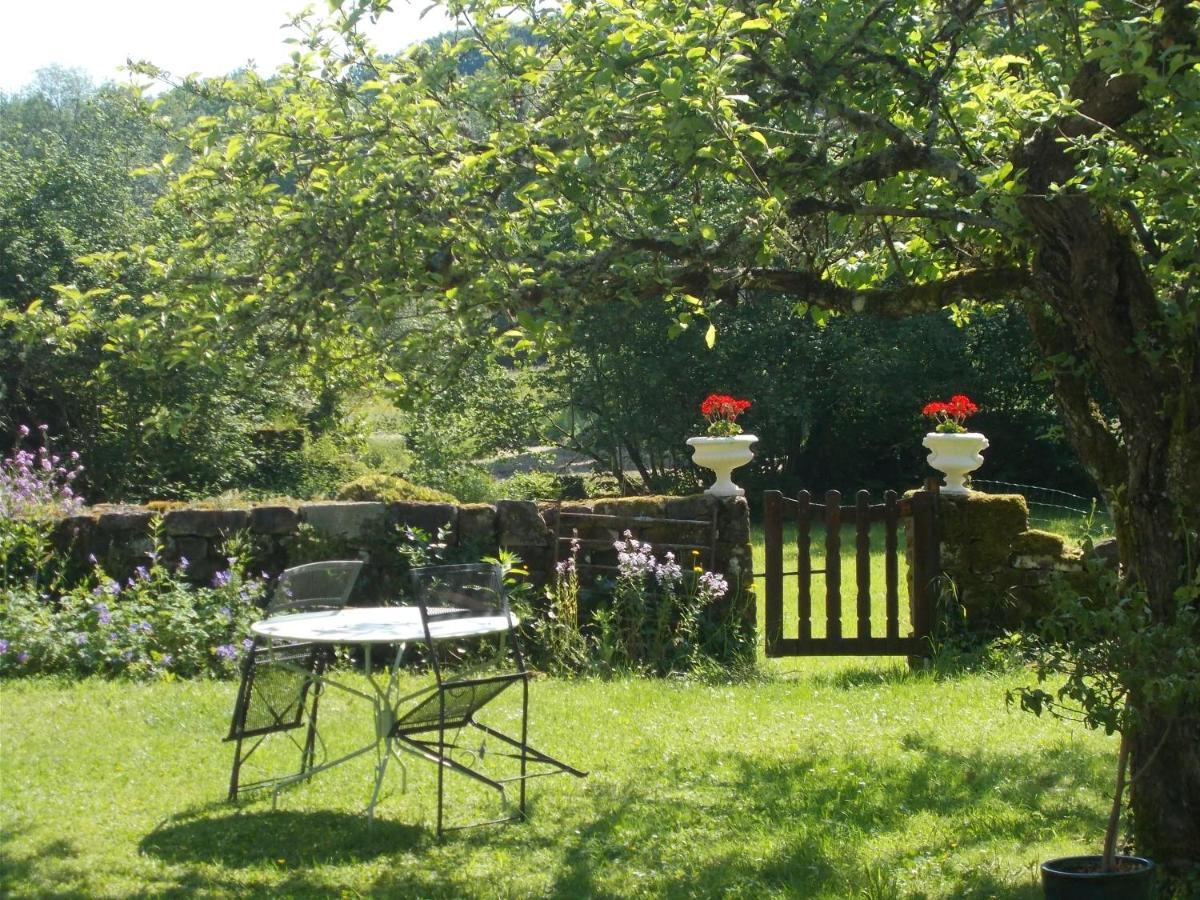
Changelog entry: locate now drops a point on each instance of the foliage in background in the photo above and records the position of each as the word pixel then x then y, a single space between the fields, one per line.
pixel 389 489
pixel 79 232
pixel 819 389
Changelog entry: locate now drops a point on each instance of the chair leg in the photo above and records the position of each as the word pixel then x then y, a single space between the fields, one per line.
pixel 524 739
pixel 307 757
pixel 441 773
pixel 237 768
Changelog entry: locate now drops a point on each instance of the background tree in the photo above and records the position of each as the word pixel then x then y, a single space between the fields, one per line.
pixel 79 232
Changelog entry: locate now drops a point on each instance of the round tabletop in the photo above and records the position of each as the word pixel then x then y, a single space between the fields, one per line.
pixel 376 625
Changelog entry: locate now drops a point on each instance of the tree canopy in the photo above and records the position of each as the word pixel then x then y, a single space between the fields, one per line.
pixel 357 211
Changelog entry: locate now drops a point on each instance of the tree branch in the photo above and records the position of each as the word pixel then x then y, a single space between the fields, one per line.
pixel 808 206
pixel 892 302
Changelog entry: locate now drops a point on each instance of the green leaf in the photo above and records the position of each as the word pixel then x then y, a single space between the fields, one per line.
pixel 710 336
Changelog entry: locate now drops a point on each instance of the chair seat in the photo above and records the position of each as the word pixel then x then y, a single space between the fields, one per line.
pixel 462 699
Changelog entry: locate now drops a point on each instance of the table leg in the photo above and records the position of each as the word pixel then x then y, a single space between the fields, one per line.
pixel 386 703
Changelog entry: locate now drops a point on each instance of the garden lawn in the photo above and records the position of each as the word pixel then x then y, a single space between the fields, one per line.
pixel 851 780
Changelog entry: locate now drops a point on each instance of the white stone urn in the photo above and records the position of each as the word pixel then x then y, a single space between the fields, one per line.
pixel 956 456
pixel 723 455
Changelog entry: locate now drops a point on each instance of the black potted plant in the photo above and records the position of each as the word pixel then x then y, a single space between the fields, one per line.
pixel 1110 657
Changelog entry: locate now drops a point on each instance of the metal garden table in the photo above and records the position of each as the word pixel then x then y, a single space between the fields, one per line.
pixel 371 626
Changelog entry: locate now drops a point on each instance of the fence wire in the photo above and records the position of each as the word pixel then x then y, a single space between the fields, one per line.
pixel 1050 509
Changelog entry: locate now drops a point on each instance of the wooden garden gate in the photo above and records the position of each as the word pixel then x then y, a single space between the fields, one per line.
pixel 861 639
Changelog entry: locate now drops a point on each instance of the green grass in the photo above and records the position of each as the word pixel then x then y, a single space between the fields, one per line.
pixel 813 786
pixel 824 778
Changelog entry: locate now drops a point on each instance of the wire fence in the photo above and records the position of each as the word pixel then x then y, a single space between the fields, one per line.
pixel 1062 512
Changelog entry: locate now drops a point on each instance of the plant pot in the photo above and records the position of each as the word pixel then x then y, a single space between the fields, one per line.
pixel 1080 878
pixel 723 455
pixel 955 455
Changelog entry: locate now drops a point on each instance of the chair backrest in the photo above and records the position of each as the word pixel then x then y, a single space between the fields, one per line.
pixel 315 586
pixel 275 685
pixel 472 589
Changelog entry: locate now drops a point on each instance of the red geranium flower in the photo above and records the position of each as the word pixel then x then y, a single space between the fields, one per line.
pixel 950 415
pixel 722 411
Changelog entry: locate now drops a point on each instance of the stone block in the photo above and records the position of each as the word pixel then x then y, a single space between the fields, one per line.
pixel 520 525
pixel 696 506
pixel 345 520
pixel 477 524
pixel 206 522
pixel 982 527
pixel 1106 549
pixel 426 516
pixel 122 518
pixel 193 547
pixel 733 520
pixel 653 507
pixel 274 519
pixel 1039 543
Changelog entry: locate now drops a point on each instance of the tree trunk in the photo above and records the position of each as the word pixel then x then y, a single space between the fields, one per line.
pixel 1095 302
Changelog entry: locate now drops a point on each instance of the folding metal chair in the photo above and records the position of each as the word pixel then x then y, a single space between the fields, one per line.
pixel 280 688
pixel 459 592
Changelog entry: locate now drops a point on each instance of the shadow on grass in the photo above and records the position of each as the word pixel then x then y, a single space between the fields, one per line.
pixel 922 820
pixel 740 824
pixel 294 839
pixel 16 872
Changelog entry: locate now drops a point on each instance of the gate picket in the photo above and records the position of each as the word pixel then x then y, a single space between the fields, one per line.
pixel 804 560
pixel 833 566
pixel 891 572
pixel 862 558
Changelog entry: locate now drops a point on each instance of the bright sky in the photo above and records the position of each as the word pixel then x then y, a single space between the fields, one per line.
pixel 211 37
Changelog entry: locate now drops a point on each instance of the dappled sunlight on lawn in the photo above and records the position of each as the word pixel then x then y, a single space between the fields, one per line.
pixel 842 779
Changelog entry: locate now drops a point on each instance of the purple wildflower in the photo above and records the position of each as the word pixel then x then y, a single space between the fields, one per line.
pixel 166 660
pixel 141 573
pixel 227 652
pixel 713 584
pixel 183 564
pixel 669 573
pixel 92 559
pixel 22 657
pixel 222 578
pixel 102 613
pixel 23 431
pixel 80 638
pixel 247 644
pixel 3 646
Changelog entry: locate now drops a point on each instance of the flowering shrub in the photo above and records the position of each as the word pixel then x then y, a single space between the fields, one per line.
pixel 154 624
pixel 949 416
pixel 36 489
pixel 722 411
pixel 654 623
pixel 38 483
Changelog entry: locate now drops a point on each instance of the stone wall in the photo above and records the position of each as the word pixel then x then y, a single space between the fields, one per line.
pixel 1000 568
pixel 122 537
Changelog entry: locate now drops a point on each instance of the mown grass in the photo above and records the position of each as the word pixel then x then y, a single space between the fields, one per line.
pixel 822 778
